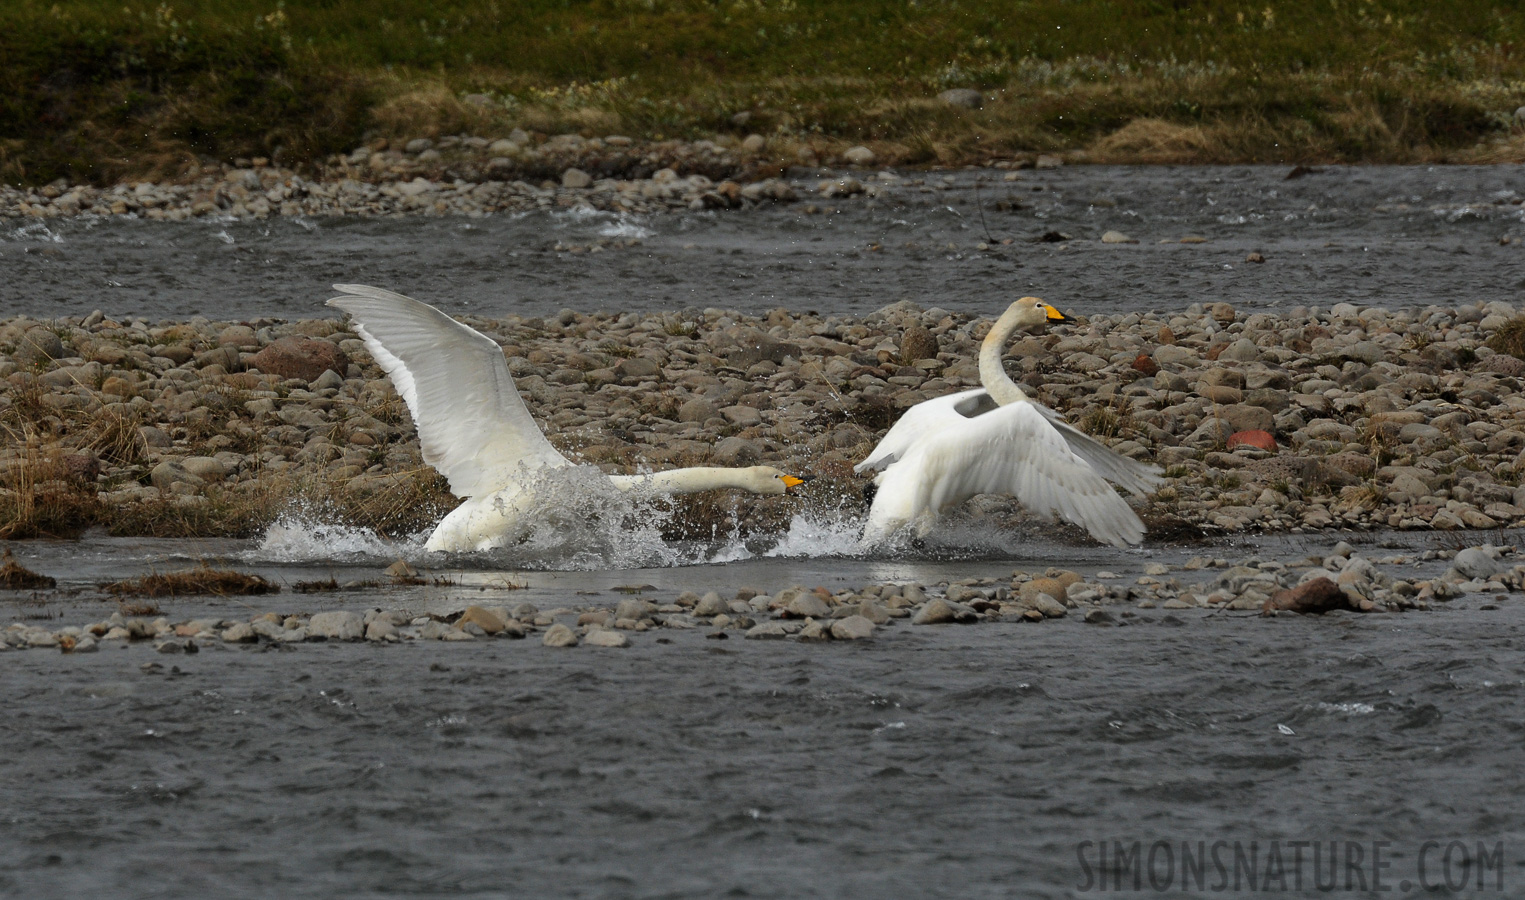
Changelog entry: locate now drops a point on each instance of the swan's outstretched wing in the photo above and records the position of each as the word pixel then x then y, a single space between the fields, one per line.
pixel 1131 475
pixel 473 426
pixel 925 418
pixel 1011 450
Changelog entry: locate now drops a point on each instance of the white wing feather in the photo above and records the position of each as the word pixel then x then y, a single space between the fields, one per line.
pixel 932 416
pixel 1011 450
pixel 1138 478
pixel 925 418
pixel 472 424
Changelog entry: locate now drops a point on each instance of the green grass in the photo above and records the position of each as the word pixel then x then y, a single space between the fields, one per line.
pixel 99 90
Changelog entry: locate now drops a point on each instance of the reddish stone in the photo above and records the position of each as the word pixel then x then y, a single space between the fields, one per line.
pixel 1146 364
pixel 1261 440
pixel 81 466
pixel 1316 596
pixel 295 356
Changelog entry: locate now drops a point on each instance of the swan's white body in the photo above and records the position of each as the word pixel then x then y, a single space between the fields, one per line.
pixel 995 440
pixel 474 428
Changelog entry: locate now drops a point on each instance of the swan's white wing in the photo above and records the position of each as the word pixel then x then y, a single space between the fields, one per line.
pixel 1011 450
pixel 472 424
pixel 925 418
pixel 1129 474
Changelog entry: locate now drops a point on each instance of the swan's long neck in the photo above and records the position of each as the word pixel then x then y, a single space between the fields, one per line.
pixel 992 375
pixel 684 481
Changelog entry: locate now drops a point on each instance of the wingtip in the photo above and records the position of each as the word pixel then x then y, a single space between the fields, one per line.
pixel 350 292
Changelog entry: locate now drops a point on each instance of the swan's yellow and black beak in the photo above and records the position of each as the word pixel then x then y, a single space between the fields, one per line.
pixel 1055 317
pixel 791 482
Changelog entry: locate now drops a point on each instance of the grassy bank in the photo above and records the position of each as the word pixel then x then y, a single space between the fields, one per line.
pixel 99 90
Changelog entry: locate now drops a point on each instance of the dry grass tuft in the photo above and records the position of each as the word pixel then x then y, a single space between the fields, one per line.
pixel 1157 141
pixel 14 576
pixel 202 580
pixel 427 109
pixel 40 498
pixel 1509 338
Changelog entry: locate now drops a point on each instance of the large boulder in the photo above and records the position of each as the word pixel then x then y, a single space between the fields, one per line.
pixel 295 356
pixel 338 625
pixel 38 346
pixel 744 347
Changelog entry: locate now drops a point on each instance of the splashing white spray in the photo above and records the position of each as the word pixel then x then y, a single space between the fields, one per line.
pixel 300 536
pixel 578 522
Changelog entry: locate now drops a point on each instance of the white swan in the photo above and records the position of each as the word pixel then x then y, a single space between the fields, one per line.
pixel 475 430
pixel 996 440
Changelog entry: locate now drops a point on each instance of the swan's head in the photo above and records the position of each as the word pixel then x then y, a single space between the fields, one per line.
pixel 768 480
pixel 1031 313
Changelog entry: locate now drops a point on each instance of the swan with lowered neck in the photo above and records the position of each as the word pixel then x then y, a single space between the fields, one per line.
pixel 997 440
pixel 474 428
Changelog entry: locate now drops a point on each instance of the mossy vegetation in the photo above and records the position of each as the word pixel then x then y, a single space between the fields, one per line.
pixel 200 580
pixel 101 89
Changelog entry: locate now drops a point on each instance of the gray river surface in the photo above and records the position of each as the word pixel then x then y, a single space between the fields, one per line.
pixel 995 760
pixel 1387 236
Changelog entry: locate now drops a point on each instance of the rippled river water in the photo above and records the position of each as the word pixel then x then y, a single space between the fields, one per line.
pixel 985 761
pixel 1392 236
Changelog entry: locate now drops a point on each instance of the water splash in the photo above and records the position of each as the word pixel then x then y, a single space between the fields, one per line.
pixel 300 536
pixel 625 227
pixel 35 231
pixel 811 536
pixel 1355 709
pixel 579 521
pixel 579 214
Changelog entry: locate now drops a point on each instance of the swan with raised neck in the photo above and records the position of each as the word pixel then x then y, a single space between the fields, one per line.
pixel 1024 314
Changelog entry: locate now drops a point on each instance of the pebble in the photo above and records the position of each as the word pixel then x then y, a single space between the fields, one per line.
pixel 874 612
pixel 859 156
pixel 965 97
pixel 380 630
pixel 633 609
pixel 240 633
pixel 768 631
pixel 711 604
pixel 338 625
pixel 559 635
pixel 852 628
pixel 808 605
pixel 603 638
pixel 1476 562
pixel 489 622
